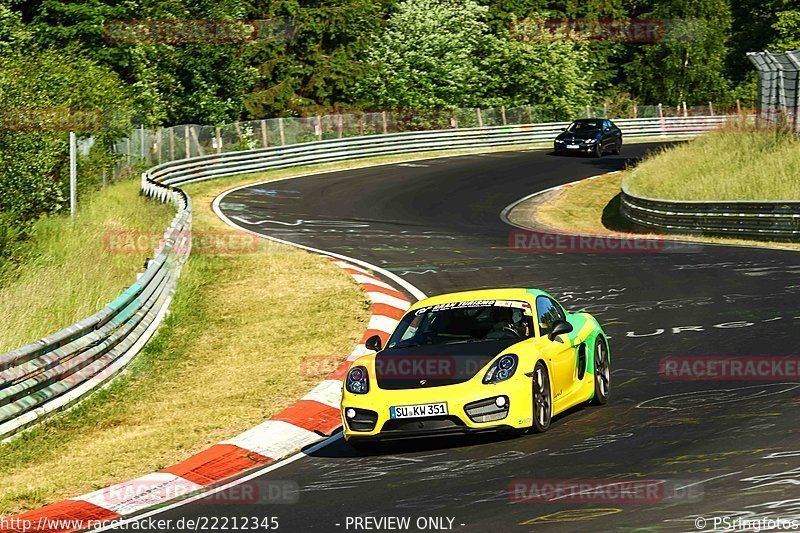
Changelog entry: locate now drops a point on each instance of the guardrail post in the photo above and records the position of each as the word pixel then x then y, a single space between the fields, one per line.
pixel 280 130
pixel 141 142
pixel 480 117
pixel 264 138
pixel 73 174
pixel 218 135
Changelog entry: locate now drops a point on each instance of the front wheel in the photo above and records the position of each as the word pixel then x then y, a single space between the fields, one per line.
pixel 602 372
pixel 617 148
pixel 598 149
pixel 542 401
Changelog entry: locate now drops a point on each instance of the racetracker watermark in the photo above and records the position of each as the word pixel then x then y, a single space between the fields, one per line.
pixel 253 492
pixel 221 242
pixel 603 491
pixel 197 31
pixel 582 29
pixel 726 368
pixel 50 119
pixel 535 242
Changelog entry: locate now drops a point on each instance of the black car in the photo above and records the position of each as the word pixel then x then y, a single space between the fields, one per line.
pixel 594 136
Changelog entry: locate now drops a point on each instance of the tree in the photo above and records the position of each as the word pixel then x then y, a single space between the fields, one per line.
pixel 689 63
pixel 431 55
pixel 787 28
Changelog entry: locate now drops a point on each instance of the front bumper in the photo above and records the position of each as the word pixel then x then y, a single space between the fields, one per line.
pixel 471 408
pixel 582 149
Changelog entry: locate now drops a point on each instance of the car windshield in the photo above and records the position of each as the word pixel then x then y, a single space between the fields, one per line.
pixel 458 322
pixel 585 126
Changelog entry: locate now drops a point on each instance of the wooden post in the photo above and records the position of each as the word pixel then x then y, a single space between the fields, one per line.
pixel 218 135
pixel 635 110
pixel 187 142
pixel 605 110
pixel 710 109
pixel 264 138
pixel 172 144
pixel 738 107
pixel 339 125
pixel 685 112
pixel 280 130
pixel 660 111
pixel 503 114
pixel 193 133
pixel 238 132
pixel 319 128
pixel 383 116
pixel 158 149
pixel 361 125
pixel 480 117
pixel 588 112
pixel 454 121
pixel 530 115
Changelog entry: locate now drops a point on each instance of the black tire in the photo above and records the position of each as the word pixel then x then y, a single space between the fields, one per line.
pixel 617 148
pixel 598 149
pixel 542 399
pixel 602 372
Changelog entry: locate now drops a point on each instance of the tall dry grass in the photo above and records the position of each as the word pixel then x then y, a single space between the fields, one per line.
pixel 730 164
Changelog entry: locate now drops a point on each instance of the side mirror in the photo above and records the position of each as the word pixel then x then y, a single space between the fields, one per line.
pixel 374 343
pixel 559 328
pixel 563 129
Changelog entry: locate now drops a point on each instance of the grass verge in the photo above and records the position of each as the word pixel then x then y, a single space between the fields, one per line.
pixel 724 165
pixel 64 272
pixel 592 207
pixel 228 357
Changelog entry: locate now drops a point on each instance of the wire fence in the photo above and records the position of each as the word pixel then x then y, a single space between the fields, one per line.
pixel 146 147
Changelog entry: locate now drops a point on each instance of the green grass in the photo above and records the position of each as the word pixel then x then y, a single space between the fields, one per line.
pixel 725 165
pixel 66 272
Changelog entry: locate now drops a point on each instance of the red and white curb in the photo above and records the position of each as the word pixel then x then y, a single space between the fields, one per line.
pixel 311 419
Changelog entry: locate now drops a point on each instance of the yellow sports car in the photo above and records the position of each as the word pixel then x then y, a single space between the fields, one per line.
pixel 497 359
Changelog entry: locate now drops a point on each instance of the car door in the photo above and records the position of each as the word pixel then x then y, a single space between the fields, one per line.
pixel 560 353
pixel 608 135
pixel 617 134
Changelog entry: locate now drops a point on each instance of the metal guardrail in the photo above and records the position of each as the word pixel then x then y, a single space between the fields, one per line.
pixel 56 371
pixel 773 220
pixel 220 165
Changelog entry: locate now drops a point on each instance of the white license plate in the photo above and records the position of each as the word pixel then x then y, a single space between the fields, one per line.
pixel 415 411
pixel 573 146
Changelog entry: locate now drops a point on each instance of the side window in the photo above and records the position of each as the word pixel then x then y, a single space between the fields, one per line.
pixel 548 312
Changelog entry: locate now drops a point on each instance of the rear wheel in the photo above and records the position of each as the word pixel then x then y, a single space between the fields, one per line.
pixel 542 401
pixel 602 372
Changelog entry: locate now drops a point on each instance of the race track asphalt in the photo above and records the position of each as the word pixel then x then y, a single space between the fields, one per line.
pixel 729 448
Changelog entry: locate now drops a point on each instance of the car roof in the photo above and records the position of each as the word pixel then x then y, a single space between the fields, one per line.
pixel 481 294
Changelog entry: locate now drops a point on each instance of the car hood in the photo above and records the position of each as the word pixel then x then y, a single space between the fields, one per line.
pixel 435 365
pixel 579 136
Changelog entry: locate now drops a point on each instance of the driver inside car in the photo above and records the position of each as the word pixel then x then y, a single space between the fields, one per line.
pixel 509 322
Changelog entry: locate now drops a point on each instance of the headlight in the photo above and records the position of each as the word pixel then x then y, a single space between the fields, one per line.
pixel 591 141
pixel 357 380
pixel 559 141
pixel 502 369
